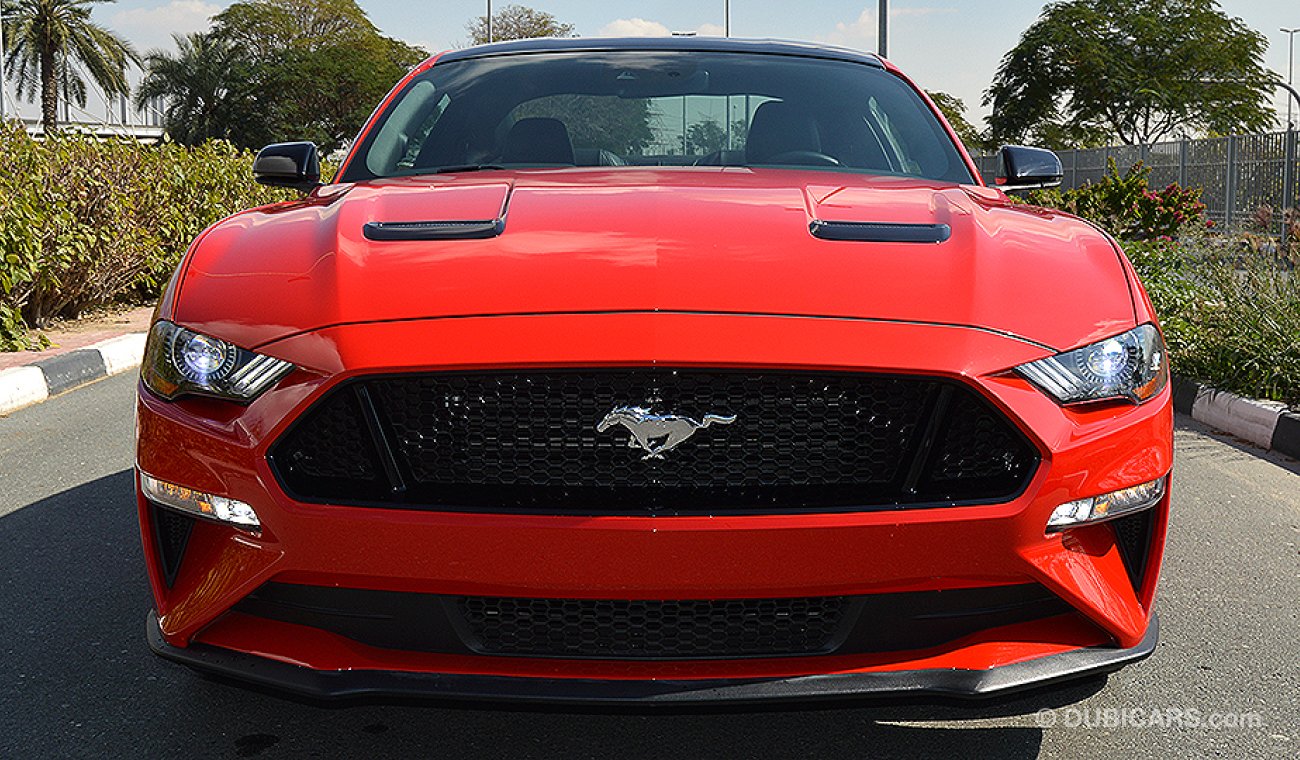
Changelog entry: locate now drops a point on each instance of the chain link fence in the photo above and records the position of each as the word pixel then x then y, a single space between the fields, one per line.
pixel 1238 175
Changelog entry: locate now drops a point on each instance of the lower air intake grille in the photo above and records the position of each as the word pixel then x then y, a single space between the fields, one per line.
pixel 1133 535
pixel 608 628
pixel 540 441
pixel 172 532
pixel 631 629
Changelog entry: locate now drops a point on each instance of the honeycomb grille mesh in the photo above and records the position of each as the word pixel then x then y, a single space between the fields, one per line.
pixel 978 444
pixel 677 629
pixel 530 441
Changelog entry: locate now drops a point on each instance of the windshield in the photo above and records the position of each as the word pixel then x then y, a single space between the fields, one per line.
pixel 657 108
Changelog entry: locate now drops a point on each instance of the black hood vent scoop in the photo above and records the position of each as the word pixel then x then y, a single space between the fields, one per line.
pixel 880 232
pixel 435 230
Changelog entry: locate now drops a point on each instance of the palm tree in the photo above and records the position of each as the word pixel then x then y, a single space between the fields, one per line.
pixel 208 86
pixel 50 43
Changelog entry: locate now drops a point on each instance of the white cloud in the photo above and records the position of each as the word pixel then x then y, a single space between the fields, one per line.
pixel 710 30
pixel 150 28
pixel 861 32
pixel 633 27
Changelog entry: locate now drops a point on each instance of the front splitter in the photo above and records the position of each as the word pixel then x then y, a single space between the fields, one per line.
pixel 352 684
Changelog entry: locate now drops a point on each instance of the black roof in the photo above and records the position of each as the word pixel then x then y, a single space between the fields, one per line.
pixel 703 44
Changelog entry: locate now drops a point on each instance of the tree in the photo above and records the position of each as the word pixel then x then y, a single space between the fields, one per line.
pixel 1137 70
pixel 50 44
pixel 207 89
pixel 517 22
pixel 266 28
pixel 333 87
pixel 704 137
pixel 279 70
pixel 954 110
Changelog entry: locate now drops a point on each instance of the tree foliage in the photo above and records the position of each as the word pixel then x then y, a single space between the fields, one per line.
pixel 954 110
pixel 1137 70
pixel 207 91
pixel 266 28
pixel 272 70
pixel 50 44
pixel 517 22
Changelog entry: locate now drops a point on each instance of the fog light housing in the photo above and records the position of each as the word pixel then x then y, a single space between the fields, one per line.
pixel 199 504
pixel 1108 506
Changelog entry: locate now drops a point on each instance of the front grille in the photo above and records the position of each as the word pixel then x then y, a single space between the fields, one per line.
pixel 623 629
pixel 528 441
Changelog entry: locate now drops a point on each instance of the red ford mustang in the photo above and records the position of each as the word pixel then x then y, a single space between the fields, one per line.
pixel 653 371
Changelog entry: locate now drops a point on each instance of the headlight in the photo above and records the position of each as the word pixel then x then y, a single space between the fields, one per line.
pixel 1130 366
pixel 179 362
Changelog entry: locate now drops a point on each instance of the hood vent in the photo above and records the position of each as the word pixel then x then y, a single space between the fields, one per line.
pixel 473 230
pixel 880 232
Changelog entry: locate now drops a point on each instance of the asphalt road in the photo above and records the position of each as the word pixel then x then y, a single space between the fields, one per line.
pixel 76 679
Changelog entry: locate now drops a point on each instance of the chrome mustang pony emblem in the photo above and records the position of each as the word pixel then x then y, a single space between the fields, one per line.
pixel 657 434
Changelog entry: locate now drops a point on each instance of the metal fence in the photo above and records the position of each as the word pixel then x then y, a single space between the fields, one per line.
pixel 1238 175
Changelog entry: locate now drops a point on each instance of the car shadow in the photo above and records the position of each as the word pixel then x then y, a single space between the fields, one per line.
pixel 81 681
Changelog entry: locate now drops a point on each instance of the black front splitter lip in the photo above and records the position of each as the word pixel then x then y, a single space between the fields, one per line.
pixel 356 684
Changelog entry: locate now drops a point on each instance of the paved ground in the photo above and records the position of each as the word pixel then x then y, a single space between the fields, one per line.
pixel 76 679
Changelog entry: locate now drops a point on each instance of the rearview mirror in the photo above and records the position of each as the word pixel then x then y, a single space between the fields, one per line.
pixel 295 164
pixel 1021 168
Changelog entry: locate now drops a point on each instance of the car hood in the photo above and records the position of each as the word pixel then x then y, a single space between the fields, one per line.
pixel 732 240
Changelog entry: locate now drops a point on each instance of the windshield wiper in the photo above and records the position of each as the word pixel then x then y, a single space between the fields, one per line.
pixel 466 168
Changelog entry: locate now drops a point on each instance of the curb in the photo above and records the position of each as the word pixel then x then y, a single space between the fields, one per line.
pixel 1267 424
pixel 34 383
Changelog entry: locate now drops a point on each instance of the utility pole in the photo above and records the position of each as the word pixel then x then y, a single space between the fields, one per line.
pixel 882 32
pixel 726 18
pixel 489 19
pixel 1290 70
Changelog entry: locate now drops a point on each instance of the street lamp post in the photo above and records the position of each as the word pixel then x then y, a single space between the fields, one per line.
pixel 726 18
pixel 1290 67
pixel 882 29
pixel 489 20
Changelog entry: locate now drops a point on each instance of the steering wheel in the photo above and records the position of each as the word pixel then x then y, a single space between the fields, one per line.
pixel 809 157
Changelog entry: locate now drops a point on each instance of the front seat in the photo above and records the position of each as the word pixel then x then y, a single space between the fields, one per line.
pixel 780 127
pixel 538 140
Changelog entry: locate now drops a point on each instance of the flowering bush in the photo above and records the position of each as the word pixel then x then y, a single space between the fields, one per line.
pixel 1128 207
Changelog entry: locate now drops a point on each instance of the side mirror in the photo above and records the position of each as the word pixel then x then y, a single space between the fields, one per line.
pixel 295 164
pixel 1021 168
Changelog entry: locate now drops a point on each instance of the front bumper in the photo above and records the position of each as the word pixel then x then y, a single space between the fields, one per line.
pixel 217 447
pixel 350 684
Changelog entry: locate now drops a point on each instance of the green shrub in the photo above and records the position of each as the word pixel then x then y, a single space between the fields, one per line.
pixel 1128 208
pixel 1231 318
pixel 85 222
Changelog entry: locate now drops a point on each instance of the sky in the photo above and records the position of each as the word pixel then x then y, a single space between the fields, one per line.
pixel 949 45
